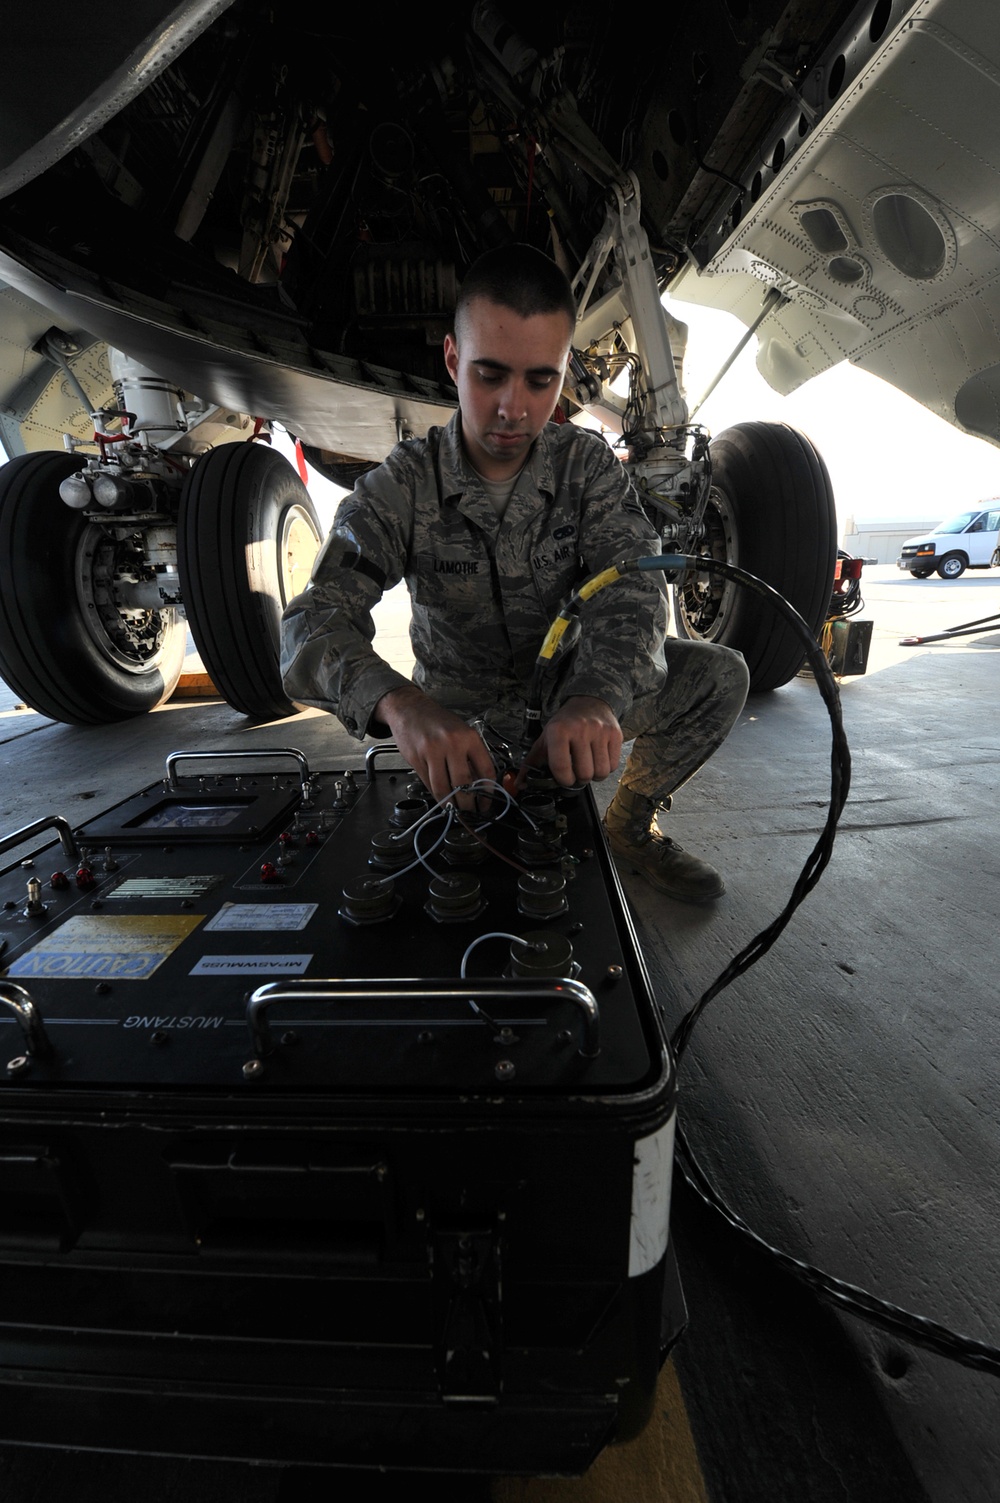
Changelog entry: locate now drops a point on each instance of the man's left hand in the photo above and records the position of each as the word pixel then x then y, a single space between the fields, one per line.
pixel 581 743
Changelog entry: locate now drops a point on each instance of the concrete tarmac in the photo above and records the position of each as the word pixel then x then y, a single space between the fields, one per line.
pixel 843 1095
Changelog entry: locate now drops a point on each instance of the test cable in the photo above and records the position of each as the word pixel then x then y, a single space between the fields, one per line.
pixel 563 634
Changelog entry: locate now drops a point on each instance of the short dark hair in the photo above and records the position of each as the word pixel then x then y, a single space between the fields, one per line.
pixel 520 278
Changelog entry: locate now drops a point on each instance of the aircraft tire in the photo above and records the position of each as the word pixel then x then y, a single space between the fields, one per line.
pixel 771 512
pixel 65 648
pixel 246 538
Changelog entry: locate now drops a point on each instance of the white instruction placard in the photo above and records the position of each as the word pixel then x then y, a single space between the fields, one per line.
pixel 262 917
pixel 251 965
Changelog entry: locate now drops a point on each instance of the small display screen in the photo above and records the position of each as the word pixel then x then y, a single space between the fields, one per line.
pixel 173 815
pixel 198 816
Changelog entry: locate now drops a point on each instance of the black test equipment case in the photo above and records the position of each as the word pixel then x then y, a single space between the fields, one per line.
pixel 267 1194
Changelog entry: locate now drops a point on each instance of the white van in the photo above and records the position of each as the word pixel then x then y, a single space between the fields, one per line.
pixel 969 541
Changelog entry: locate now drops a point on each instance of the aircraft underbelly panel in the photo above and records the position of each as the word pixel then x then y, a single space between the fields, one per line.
pixel 883 231
pixel 329 401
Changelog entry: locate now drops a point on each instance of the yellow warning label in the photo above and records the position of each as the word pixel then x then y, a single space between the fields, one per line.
pixel 125 948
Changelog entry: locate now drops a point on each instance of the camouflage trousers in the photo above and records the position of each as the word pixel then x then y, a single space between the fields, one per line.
pixel 677 729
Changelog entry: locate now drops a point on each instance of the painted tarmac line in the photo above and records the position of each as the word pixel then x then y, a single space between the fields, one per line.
pixel 660 1466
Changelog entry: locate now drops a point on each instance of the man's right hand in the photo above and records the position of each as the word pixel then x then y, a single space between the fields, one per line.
pixel 441 748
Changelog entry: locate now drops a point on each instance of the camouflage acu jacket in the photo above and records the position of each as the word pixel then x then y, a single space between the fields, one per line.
pixel 484 589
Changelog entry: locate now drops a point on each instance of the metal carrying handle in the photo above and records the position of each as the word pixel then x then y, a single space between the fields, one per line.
pixel 498 988
pixel 25 1009
pixel 232 756
pixel 384 749
pixel 51 822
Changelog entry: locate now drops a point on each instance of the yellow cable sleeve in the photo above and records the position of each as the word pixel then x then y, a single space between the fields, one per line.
pixel 606 577
pixel 553 637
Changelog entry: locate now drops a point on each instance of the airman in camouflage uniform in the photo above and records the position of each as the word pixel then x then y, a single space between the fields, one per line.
pixel 487 576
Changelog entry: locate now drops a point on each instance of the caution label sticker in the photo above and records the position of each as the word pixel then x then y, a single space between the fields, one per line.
pixel 106 947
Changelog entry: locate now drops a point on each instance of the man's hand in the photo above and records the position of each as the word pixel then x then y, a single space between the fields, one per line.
pixel 443 751
pixel 582 743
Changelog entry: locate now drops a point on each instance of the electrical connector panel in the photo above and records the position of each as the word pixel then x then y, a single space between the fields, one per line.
pixel 850 642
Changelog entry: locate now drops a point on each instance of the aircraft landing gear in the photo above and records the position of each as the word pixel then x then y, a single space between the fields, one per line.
pixel 247 536
pixel 759 496
pixel 82 638
pixel 101 556
pixel 771 511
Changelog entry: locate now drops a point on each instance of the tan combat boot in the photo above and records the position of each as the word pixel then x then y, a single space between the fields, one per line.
pixel 630 824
